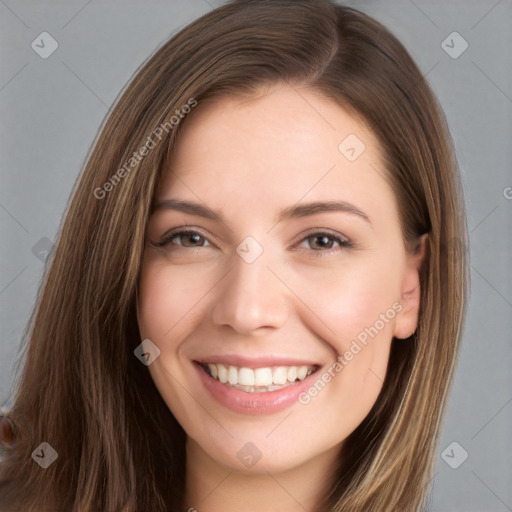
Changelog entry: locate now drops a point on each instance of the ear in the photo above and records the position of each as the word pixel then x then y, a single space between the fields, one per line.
pixel 410 291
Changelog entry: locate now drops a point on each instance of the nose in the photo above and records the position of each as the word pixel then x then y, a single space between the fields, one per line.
pixel 251 299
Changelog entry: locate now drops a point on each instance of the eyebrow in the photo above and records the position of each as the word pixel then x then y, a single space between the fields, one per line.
pixel 292 212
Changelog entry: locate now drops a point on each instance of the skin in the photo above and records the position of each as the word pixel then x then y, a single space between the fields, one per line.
pixel 250 158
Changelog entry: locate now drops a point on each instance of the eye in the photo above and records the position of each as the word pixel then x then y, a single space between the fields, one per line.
pixel 324 241
pixel 189 239
pixel 320 242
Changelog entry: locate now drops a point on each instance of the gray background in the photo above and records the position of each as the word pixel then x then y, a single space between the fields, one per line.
pixel 51 109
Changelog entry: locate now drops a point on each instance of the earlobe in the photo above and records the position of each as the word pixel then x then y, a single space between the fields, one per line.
pixel 410 294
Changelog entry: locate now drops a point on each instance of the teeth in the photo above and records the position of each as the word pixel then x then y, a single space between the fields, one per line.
pixel 245 376
pixel 267 379
pixel 222 372
pixel 262 377
pixel 279 375
pixel 302 372
pixel 232 375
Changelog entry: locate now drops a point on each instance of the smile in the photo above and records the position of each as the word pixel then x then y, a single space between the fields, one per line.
pixel 257 380
pixel 264 384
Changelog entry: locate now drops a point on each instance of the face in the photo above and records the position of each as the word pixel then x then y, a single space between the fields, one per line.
pixel 273 279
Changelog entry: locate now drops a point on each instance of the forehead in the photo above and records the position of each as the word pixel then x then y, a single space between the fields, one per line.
pixel 277 148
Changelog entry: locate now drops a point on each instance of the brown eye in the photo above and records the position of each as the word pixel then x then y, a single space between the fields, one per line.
pixel 190 239
pixel 325 242
pixel 187 238
pixel 321 241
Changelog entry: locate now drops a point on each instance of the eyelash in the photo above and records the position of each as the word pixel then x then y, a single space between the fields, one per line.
pixel 343 243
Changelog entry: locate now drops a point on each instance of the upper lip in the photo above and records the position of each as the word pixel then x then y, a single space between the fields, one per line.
pixel 262 361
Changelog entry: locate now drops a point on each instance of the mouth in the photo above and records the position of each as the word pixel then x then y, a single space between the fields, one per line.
pixel 258 380
pixel 255 386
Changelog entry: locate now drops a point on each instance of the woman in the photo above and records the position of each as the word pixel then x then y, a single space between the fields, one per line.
pixel 253 302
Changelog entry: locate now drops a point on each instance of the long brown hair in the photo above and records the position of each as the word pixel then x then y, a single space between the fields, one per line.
pixel 84 392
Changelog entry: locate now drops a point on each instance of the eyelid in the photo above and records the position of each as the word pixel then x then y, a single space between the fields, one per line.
pixel 323 231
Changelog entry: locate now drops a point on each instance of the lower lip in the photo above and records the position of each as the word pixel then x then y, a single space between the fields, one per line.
pixel 254 403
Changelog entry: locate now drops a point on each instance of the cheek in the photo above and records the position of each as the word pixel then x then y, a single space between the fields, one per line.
pixel 354 300
pixel 359 305
pixel 168 297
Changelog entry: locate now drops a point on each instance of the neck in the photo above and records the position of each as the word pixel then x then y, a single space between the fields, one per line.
pixel 212 487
